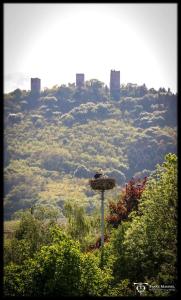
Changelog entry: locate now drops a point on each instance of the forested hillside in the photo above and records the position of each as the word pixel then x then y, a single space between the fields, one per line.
pixel 55 141
pixel 53 144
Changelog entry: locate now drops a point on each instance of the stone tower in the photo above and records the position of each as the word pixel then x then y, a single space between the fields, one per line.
pixel 35 86
pixel 79 80
pixel 115 84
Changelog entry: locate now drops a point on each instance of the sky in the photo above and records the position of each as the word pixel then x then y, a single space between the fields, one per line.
pixel 55 41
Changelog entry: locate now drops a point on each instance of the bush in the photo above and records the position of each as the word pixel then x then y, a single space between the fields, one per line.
pixel 82 172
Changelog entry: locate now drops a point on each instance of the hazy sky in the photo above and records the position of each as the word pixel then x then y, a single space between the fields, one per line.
pixel 56 41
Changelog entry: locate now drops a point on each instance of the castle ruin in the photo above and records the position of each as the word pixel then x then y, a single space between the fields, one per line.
pixel 79 80
pixel 35 86
pixel 115 84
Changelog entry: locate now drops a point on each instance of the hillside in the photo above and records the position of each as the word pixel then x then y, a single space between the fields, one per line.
pixel 55 142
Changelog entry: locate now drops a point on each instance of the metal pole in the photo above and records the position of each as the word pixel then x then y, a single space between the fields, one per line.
pixel 102 218
pixel 102 227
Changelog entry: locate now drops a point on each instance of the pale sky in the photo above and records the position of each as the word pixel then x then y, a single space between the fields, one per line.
pixel 56 41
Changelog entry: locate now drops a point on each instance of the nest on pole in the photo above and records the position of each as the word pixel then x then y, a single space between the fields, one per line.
pixel 102 183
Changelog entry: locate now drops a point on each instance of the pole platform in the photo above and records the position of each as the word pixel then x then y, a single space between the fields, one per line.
pixel 102 183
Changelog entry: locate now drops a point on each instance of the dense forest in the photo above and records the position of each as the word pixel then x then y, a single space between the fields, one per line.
pixel 53 144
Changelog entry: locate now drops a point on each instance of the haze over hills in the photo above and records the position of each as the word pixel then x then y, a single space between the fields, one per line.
pixel 47 42
pixel 57 138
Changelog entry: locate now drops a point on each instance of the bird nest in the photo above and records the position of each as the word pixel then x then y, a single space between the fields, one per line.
pixel 102 183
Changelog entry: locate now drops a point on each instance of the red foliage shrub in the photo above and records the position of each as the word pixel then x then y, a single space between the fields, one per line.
pixel 129 200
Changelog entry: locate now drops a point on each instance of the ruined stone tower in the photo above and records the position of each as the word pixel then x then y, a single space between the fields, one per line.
pixel 115 84
pixel 79 80
pixel 35 86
